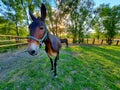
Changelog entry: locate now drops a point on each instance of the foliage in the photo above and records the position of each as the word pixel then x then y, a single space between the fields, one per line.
pixel 79 11
pixel 110 18
pixel 97 28
pixel 6 26
pixel 68 18
pixel 16 13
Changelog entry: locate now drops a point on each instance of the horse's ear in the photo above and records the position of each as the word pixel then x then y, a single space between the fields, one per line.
pixel 32 16
pixel 43 12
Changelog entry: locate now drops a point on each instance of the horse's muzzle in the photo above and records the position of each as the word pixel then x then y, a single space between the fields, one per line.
pixel 32 52
pixel 33 49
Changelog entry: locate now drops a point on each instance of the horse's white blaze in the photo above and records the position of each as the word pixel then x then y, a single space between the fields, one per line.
pixel 32 47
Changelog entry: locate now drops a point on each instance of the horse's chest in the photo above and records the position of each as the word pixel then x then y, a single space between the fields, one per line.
pixel 50 51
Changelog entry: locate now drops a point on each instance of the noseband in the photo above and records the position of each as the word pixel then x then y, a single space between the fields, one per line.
pixel 40 40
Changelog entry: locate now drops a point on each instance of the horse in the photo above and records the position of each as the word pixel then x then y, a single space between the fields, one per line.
pixel 65 40
pixel 39 34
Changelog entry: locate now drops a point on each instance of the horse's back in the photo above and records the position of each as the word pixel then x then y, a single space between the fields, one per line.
pixel 64 40
pixel 55 42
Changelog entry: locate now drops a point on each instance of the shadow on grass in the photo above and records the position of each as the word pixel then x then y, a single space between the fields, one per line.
pixel 108 54
pixel 110 62
pixel 100 62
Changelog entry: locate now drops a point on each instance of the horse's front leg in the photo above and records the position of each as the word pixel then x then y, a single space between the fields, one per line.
pixel 55 65
pixel 51 63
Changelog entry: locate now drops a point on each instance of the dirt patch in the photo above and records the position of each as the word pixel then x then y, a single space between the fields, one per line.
pixel 14 60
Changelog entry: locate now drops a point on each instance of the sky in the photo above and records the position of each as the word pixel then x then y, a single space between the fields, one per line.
pixel 111 2
pixel 97 2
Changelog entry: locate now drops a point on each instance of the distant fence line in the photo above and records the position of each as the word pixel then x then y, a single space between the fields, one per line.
pixel 95 41
pixel 11 40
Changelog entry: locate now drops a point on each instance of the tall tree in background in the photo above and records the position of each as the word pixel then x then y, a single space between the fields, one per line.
pixel 85 12
pixel 79 11
pixel 56 18
pixel 96 25
pixel 30 5
pixel 111 20
pixel 14 13
pixel 50 17
pixel 6 26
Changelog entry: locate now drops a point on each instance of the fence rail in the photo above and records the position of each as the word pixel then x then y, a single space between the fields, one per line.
pixel 95 41
pixel 13 40
pixel 10 40
pixel 13 44
pixel 100 41
pixel 13 36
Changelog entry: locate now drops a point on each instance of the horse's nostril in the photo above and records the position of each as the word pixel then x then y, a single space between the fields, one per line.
pixel 33 51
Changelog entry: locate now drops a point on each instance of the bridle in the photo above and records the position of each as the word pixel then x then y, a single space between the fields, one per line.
pixel 40 40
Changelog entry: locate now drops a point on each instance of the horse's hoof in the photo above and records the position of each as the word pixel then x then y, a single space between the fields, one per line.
pixel 52 70
pixel 55 76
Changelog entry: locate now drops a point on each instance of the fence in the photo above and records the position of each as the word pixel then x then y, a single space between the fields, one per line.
pixel 96 41
pixel 10 40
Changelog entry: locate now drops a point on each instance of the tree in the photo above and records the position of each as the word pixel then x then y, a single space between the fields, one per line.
pixel 56 19
pixel 85 12
pixel 79 11
pixel 111 20
pixel 14 13
pixel 6 26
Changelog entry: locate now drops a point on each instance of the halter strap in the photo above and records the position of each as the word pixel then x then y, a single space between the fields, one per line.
pixel 41 40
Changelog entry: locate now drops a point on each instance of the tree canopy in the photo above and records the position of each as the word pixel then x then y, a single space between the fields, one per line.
pixel 68 18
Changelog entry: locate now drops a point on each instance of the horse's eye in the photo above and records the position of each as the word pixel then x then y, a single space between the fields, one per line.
pixel 41 28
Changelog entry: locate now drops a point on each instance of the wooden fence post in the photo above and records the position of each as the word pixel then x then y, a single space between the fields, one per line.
pixel 82 40
pixel 17 40
pixel 87 40
pixel 102 42
pixel 93 41
pixel 117 42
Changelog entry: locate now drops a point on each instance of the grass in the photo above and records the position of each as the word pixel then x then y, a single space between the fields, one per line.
pixel 7 49
pixel 79 68
pixel 10 49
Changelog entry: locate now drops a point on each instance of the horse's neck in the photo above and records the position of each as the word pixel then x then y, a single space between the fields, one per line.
pixel 47 42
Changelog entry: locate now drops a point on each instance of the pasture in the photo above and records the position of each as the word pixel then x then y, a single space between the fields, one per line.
pixel 79 68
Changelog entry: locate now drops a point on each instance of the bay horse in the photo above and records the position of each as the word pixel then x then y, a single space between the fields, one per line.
pixel 65 40
pixel 39 34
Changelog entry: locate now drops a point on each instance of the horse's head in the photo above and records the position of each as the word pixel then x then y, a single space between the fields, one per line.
pixel 37 31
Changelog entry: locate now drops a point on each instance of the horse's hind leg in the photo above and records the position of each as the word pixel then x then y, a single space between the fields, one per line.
pixel 66 43
pixel 55 64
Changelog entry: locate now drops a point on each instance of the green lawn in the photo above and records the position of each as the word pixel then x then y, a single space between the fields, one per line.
pixel 79 68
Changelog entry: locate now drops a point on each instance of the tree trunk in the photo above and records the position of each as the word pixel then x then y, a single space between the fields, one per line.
pixel 17 30
pixel 109 41
pixel 79 39
pixel 25 12
pixel 74 37
pixel 74 40
pixel 56 28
